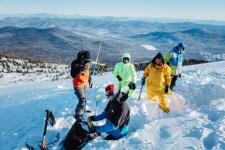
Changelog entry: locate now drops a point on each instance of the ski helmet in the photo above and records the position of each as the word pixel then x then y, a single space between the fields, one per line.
pixel 87 56
pixel 80 55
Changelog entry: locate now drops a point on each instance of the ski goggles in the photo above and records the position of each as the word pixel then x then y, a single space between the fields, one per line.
pixel 126 58
pixel 87 60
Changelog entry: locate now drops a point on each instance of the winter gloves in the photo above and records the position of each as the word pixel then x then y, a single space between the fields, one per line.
pixel 143 81
pixel 167 89
pixel 179 75
pixel 89 121
pixel 119 78
pixel 91 118
pixel 168 63
pixel 93 132
pixel 132 86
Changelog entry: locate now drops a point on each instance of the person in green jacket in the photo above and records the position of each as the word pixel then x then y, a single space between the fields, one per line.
pixel 174 58
pixel 126 74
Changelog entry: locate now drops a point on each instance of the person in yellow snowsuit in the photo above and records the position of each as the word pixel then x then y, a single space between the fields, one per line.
pixel 126 74
pixel 158 75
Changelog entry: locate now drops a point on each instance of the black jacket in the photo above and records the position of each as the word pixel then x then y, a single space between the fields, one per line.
pixel 77 68
pixel 118 112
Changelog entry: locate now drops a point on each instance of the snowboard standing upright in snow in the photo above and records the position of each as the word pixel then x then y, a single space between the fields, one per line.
pixel 116 113
pixel 126 74
pixel 174 58
pixel 80 72
pixel 158 76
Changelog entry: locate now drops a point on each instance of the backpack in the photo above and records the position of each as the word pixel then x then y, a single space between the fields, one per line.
pixel 77 136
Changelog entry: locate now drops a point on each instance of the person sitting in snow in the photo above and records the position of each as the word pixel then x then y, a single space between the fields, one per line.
pixel 158 76
pixel 116 113
pixel 80 72
pixel 174 58
pixel 126 74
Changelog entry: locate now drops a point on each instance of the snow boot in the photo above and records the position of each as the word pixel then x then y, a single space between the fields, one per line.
pixel 166 109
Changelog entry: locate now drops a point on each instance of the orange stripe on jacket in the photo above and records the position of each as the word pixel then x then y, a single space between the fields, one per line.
pixel 82 79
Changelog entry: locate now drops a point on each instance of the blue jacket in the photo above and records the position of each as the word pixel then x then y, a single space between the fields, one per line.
pixel 117 117
pixel 175 59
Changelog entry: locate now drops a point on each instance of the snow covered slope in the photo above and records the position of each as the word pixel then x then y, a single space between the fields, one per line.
pixel 20 71
pixel 196 120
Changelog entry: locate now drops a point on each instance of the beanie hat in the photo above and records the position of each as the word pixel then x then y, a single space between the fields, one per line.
pixel 181 45
pixel 110 89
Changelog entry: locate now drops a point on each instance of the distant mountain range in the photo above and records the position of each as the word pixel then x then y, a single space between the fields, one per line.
pixel 197 40
pixel 48 44
pixel 57 45
pixel 60 38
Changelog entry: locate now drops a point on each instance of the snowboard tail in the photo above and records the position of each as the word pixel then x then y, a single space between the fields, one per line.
pixel 77 136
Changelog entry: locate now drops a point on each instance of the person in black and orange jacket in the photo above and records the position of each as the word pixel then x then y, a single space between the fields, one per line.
pixel 80 72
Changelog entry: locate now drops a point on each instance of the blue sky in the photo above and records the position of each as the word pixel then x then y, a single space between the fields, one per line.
pixel 183 9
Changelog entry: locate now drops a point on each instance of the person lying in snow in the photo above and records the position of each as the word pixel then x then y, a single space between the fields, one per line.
pixel 116 113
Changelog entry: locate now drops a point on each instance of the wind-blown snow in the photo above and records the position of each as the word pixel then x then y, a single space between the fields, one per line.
pixel 196 120
pixel 149 47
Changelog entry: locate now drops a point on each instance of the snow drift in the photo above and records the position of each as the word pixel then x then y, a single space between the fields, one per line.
pixel 196 120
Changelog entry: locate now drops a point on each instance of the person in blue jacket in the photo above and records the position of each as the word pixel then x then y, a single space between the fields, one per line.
pixel 174 58
pixel 116 113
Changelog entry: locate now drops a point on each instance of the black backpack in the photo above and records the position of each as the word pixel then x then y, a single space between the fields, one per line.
pixel 77 136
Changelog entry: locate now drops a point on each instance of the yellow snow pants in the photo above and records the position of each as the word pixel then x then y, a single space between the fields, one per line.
pixel 163 102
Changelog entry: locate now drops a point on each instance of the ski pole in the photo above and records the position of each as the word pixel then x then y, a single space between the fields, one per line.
pixel 140 92
pixel 120 86
pixel 49 118
pixel 96 104
pixel 96 61
pixel 44 142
